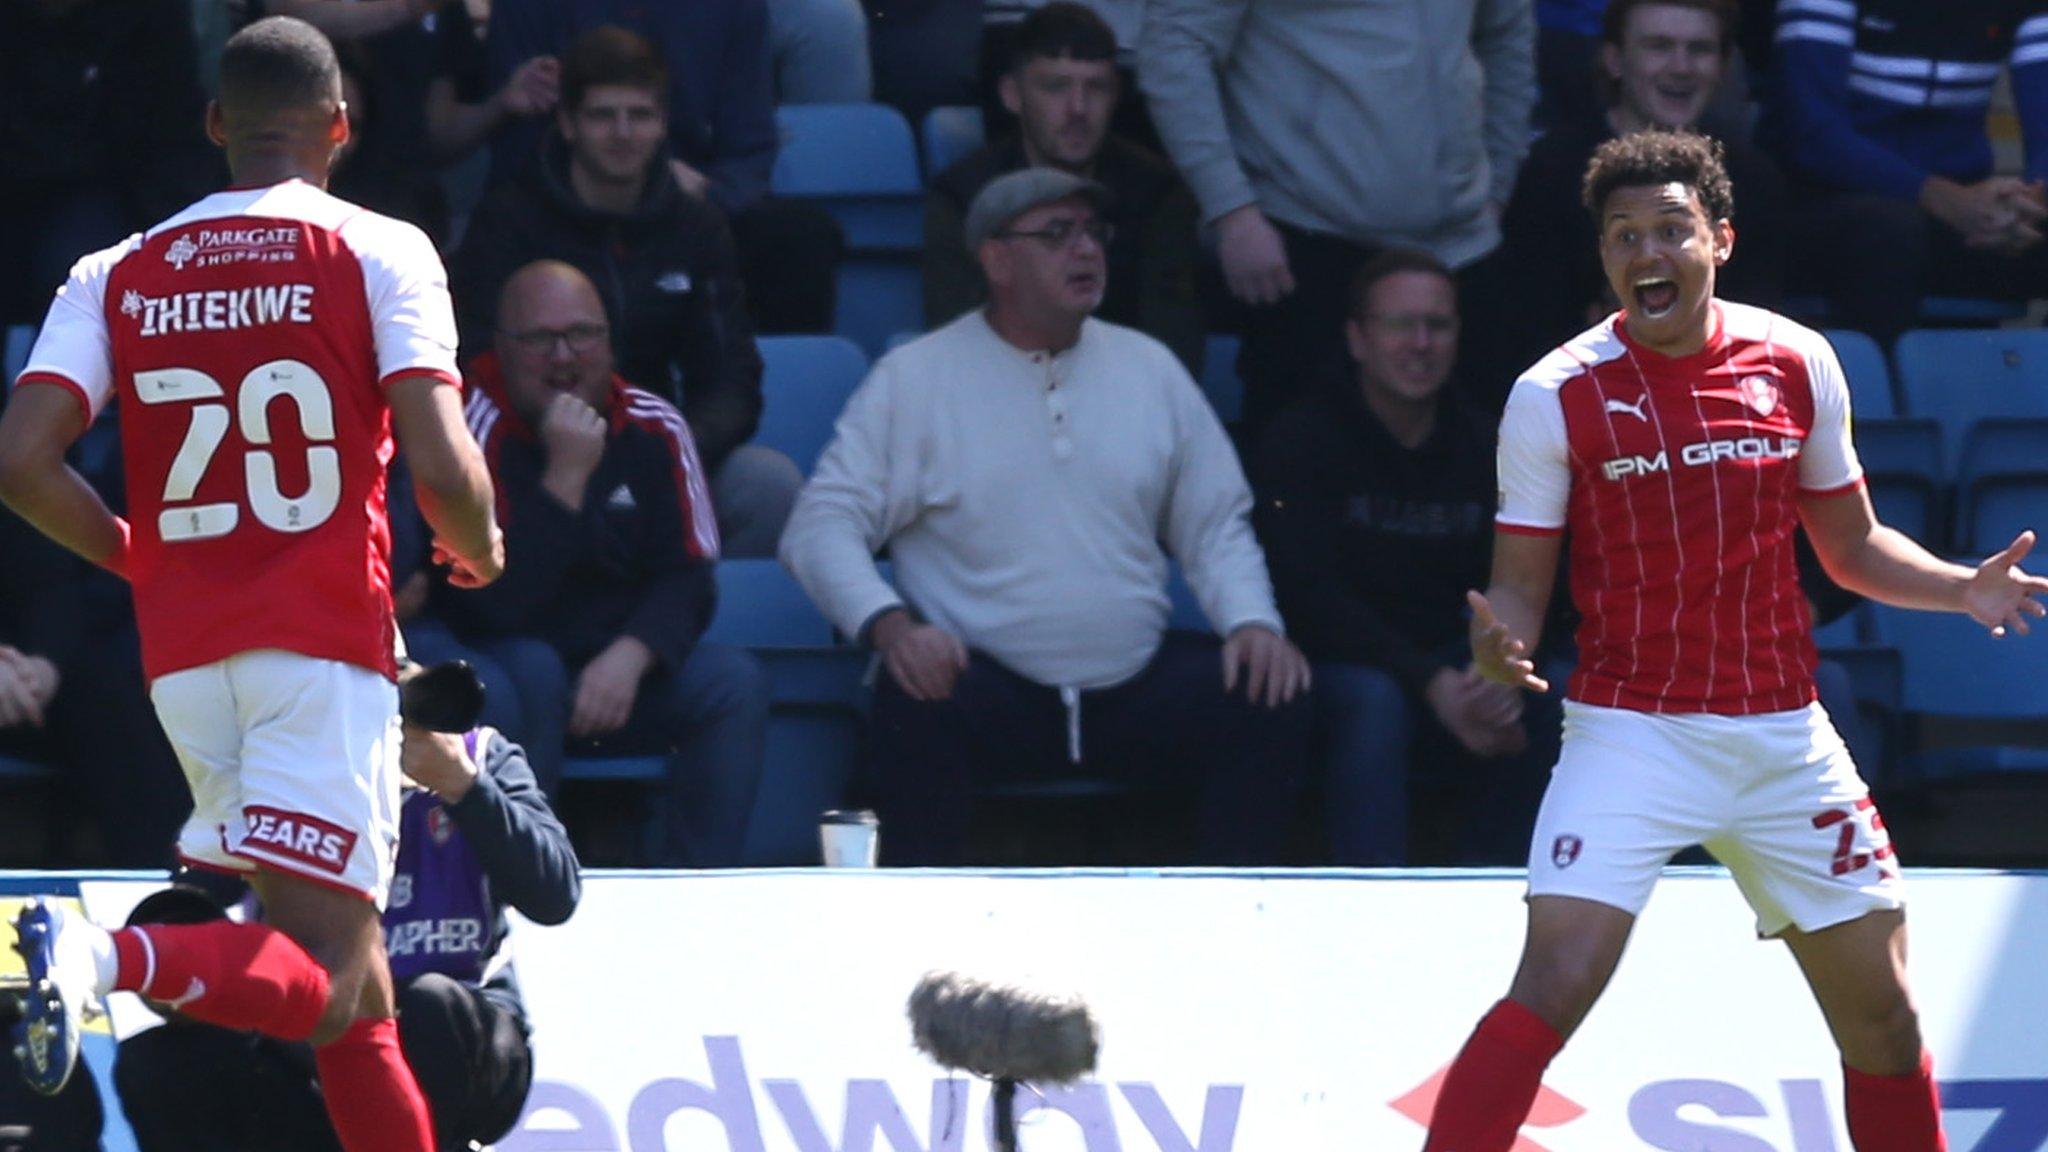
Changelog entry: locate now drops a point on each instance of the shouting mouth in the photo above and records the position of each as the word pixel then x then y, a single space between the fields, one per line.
pixel 1656 296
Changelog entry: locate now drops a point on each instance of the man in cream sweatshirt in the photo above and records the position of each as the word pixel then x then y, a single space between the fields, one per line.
pixel 1023 467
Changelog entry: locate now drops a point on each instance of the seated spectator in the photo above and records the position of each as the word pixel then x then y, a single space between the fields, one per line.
pixel 371 171
pixel 101 114
pixel 1062 85
pixel 600 198
pixel 72 695
pixel 610 540
pixel 1879 113
pixel 1662 62
pixel 464 109
pixel 721 134
pixel 1376 497
pixel 475 836
pixel 1023 466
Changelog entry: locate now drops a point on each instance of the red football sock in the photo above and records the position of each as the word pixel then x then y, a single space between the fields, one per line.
pixel 248 976
pixel 1894 1113
pixel 372 1098
pixel 1493 1083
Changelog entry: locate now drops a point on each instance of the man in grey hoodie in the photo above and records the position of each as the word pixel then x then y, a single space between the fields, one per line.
pixel 1316 133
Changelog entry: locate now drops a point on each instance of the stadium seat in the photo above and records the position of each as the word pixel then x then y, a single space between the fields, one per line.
pixel 805 384
pixel 1219 377
pixel 1954 669
pixel 20 338
pixel 1961 377
pixel 2001 482
pixel 815 707
pixel 1902 463
pixel 1955 311
pixel 951 131
pixel 859 162
pixel 1870 377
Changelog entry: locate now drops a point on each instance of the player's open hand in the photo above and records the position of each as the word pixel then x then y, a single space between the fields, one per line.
pixel 473 571
pixel 1497 655
pixel 1275 671
pixel 2001 595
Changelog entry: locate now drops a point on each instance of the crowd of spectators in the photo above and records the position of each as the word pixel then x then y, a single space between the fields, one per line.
pixel 1381 198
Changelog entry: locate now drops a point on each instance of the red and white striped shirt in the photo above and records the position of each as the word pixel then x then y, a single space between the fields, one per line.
pixel 248 341
pixel 1677 479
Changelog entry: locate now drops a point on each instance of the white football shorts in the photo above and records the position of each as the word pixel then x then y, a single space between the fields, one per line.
pixel 293 763
pixel 1773 797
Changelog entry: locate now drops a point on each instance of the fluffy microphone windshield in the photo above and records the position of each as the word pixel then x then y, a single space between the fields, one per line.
pixel 1001 1032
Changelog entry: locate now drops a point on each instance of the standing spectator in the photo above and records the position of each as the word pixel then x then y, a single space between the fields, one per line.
pixel 609 561
pixel 721 133
pixel 1879 112
pixel 820 49
pixel 476 836
pixel 600 198
pixel 1661 63
pixel 1023 466
pixel 100 111
pixel 1316 134
pixel 1062 85
pixel 1376 497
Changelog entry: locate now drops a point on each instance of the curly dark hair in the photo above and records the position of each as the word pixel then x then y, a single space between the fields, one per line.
pixel 1657 156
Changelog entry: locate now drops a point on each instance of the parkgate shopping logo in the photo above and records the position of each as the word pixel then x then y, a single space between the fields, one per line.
pixel 1704 1115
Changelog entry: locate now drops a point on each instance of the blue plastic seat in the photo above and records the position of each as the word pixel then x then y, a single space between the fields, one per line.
pixel 951 131
pixel 1953 668
pixel 1961 377
pixel 1869 375
pixel 1219 377
pixel 806 382
pixel 2001 482
pixel 20 339
pixel 1902 463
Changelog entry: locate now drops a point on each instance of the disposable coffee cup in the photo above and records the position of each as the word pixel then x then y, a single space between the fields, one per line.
pixel 849 838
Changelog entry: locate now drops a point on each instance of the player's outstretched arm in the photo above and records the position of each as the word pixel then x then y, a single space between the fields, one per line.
pixel 1886 565
pixel 39 424
pixel 1507 619
pixel 450 479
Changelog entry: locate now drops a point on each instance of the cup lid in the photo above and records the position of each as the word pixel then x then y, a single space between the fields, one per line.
pixel 848 816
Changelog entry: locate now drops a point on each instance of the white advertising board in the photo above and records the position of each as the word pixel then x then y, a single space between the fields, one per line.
pixel 1263 1012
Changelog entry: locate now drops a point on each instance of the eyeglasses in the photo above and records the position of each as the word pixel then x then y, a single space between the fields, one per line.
pixel 540 341
pixel 1061 233
pixel 1414 324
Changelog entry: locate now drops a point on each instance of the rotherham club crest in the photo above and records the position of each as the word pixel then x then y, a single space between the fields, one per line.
pixel 1760 393
pixel 1564 851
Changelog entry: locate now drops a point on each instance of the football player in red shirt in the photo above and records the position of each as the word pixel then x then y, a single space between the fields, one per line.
pixel 1681 442
pixel 263 345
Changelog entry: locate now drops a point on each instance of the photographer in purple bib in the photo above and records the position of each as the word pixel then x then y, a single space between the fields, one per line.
pixel 476 835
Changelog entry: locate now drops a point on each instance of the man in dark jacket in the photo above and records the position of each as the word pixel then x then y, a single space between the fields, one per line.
pixel 1375 506
pixel 719 108
pixel 610 522
pixel 601 198
pixel 1062 85
pixel 476 835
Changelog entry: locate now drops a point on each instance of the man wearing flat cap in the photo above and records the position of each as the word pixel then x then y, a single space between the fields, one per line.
pixel 1033 472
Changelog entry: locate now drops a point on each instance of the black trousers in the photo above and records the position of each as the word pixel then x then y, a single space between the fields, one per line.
pixel 1172 727
pixel 1874 257
pixel 1288 346
pixel 195 1088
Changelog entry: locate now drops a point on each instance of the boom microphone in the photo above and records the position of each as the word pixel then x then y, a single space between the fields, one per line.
pixel 1000 1032
pixel 1006 1034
